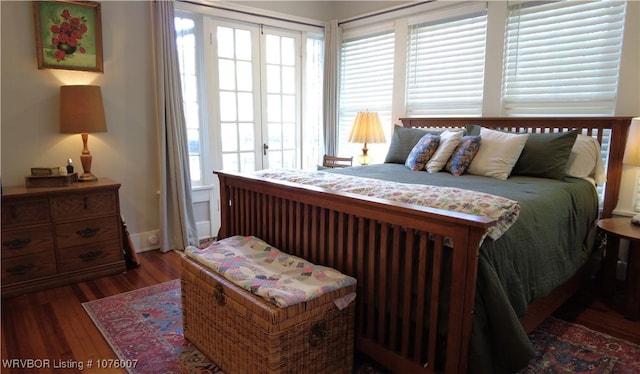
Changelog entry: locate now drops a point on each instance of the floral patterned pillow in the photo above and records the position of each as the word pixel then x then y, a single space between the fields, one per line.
pixel 463 155
pixel 422 152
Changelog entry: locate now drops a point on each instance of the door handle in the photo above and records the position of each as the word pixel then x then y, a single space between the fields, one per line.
pixel 265 147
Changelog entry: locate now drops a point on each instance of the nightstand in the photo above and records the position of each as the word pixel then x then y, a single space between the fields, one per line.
pixel 616 229
pixel 53 236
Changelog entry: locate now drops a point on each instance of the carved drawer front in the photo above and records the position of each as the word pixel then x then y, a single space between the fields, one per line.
pixel 87 231
pixel 26 241
pixel 25 212
pixel 23 268
pixel 85 256
pixel 84 205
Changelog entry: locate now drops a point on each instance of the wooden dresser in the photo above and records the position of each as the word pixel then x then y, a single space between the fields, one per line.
pixel 52 236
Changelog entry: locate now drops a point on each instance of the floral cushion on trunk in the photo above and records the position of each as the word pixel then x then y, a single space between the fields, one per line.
pixel 264 270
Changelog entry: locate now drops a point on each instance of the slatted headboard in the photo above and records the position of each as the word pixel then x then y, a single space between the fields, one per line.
pixel 611 133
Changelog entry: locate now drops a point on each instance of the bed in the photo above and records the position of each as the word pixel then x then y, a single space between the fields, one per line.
pixel 434 294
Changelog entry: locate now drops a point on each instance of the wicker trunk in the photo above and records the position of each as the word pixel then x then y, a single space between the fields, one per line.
pixel 243 333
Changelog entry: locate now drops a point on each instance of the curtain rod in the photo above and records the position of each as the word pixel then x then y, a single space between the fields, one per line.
pixel 248 13
pixel 383 12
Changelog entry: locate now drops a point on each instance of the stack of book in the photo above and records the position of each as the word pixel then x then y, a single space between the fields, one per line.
pixel 49 177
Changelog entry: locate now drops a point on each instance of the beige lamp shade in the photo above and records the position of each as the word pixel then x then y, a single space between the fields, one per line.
pixel 632 150
pixel 367 129
pixel 81 110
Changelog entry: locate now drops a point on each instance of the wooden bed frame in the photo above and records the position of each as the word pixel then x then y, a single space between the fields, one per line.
pixel 384 244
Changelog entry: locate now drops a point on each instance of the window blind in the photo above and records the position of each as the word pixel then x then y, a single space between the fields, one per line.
pixel 562 57
pixel 446 55
pixel 366 84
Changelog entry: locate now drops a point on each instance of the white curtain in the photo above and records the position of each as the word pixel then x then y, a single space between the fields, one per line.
pixel 177 221
pixel 333 38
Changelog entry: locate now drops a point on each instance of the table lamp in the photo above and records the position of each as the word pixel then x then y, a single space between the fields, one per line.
pixel 82 112
pixel 632 157
pixel 366 129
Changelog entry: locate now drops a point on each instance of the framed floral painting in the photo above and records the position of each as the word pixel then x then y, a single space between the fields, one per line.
pixel 68 35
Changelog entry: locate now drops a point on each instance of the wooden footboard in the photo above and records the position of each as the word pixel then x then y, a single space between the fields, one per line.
pixel 412 316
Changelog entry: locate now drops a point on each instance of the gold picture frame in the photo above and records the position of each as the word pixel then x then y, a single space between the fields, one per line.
pixel 68 35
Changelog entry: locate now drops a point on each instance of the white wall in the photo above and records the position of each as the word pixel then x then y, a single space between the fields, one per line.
pixel 30 98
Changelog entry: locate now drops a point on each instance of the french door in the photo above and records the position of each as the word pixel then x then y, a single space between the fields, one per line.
pixel 255 84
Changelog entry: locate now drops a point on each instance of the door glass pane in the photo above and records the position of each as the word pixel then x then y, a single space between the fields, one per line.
pixel 243 45
pixel 245 106
pixel 247 138
pixel 289 108
pixel 273 78
pixel 230 162
pixel 273 49
pixel 289 159
pixel 225 42
pixel 227 106
pixel 226 74
pixel 275 137
pixel 245 76
pixel 274 108
pixel 288 51
pixel 229 135
pixel 275 159
pixel 247 162
pixel 288 135
pixel 288 80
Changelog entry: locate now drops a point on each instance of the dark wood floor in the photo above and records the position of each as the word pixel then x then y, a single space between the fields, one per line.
pixel 53 325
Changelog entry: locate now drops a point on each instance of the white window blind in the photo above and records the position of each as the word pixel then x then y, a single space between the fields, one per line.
pixel 446 55
pixel 366 84
pixel 562 57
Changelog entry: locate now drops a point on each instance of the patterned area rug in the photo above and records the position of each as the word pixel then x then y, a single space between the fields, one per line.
pixel 145 327
pixel 563 347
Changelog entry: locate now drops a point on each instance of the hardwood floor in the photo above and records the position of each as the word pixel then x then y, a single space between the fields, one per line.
pixel 590 308
pixel 52 324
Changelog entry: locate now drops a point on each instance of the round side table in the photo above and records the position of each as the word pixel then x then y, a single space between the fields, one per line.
pixel 616 229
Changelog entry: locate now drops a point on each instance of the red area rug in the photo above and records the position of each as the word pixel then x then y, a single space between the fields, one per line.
pixel 145 327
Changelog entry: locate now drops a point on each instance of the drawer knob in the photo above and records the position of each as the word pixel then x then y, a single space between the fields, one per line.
pixel 20 269
pixel 17 243
pixel 90 256
pixel 88 232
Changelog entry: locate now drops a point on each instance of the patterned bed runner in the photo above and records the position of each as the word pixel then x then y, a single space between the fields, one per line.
pixel 503 210
pixel 257 267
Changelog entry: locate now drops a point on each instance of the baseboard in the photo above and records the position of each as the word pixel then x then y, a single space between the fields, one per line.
pixel 150 240
pixel 146 241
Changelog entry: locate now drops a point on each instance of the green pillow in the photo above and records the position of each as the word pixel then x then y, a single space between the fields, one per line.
pixel 402 142
pixel 545 155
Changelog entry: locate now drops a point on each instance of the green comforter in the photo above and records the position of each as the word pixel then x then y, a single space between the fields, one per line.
pixel 553 237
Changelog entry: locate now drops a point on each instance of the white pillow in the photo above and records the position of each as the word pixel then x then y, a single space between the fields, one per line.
pixel 585 160
pixel 449 140
pixel 499 151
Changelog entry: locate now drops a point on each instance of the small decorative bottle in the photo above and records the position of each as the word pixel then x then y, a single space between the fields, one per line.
pixel 69 167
